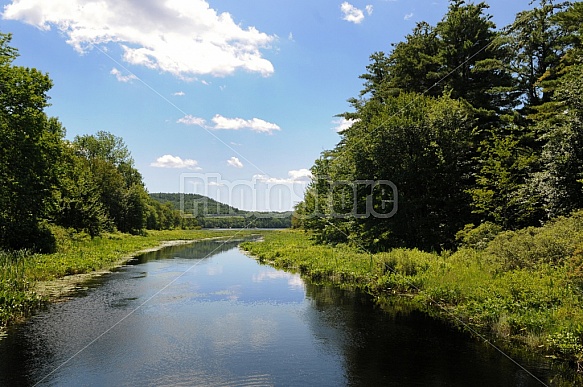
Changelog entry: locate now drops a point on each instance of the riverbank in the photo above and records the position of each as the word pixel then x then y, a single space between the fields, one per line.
pixel 521 289
pixel 28 281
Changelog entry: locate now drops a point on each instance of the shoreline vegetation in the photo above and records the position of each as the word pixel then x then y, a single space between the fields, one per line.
pixel 28 280
pixel 519 289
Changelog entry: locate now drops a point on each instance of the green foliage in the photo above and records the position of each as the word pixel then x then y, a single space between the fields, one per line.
pixel 420 144
pixel 556 183
pixel 118 183
pixel 536 247
pixel 471 124
pixel 498 195
pixel 30 147
pixel 17 299
pixel 89 185
pixel 477 237
pixel 460 56
pixel 536 44
pixel 470 56
pixel 77 199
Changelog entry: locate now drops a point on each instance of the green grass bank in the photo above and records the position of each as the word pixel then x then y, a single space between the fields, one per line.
pixel 520 288
pixel 28 281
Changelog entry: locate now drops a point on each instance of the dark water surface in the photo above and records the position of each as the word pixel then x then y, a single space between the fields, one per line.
pixel 207 315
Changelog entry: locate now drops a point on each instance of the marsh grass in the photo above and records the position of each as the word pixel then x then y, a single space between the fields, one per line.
pixel 522 288
pixel 77 253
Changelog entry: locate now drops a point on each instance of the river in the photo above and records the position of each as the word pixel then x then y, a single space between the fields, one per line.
pixel 207 315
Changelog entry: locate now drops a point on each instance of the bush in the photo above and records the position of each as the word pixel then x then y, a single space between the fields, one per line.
pixel 477 237
pixel 532 247
pixel 575 267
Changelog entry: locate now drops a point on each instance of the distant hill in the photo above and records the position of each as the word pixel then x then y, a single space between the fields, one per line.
pixel 213 214
pixel 195 204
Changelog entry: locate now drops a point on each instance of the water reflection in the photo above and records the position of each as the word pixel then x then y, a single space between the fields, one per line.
pixel 207 315
pixel 197 250
pixel 405 349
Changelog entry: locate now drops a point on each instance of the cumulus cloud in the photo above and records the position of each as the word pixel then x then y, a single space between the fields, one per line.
pixel 408 16
pixel 369 9
pixel 224 123
pixel 235 162
pixel 183 38
pixel 300 176
pixel 122 78
pixel 343 124
pixel 169 161
pixel 192 120
pixel 255 124
pixel 351 13
pixel 179 94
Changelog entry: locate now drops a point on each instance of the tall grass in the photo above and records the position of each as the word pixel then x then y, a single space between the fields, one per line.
pixel 17 299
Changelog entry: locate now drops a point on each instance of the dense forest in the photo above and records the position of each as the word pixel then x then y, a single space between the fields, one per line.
pixel 88 185
pixel 480 130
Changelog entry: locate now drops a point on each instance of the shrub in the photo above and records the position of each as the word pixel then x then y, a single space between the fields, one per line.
pixel 478 237
pixel 532 247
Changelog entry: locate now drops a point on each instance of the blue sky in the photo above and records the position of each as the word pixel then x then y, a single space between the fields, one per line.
pixel 223 93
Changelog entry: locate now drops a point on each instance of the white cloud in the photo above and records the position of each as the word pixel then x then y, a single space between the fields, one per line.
pixel 351 13
pixel 300 176
pixel 122 78
pixel 255 124
pixel 235 162
pixel 179 94
pixel 224 123
pixel 291 37
pixel 183 38
pixel 408 16
pixel 192 120
pixel 369 9
pixel 169 161
pixel 343 124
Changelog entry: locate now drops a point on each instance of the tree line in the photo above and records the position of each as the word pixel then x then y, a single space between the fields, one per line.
pixel 89 184
pixel 212 214
pixel 480 129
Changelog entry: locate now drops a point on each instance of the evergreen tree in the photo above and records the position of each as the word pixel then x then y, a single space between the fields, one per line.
pixel 537 44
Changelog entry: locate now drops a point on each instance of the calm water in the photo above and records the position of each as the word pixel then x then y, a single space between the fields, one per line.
pixel 208 315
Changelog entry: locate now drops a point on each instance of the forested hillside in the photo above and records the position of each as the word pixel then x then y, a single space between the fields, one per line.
pixel 212 214
pixel 195 204
pixel 474 125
